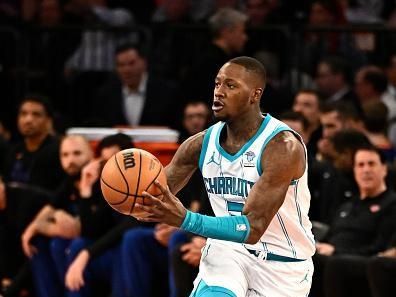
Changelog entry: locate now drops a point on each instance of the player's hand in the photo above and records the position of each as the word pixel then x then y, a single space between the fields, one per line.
pixel 74 278
pixel 192 250
pixel 163 232
pixel 168 209
pixel 89 175
pixel 325 249
pixel 28 249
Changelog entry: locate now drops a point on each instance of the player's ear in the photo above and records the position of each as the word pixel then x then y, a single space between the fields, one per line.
pixel 257 94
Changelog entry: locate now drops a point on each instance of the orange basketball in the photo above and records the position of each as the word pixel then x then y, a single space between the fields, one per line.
pixel 126 175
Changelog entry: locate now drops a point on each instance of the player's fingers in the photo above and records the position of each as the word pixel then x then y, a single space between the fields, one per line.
pixel 165 190
pixel 152 210
pixel 154 200
pixel 148 219
pixel 162 188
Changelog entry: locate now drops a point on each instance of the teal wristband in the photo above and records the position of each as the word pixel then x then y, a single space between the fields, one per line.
pixel 232 228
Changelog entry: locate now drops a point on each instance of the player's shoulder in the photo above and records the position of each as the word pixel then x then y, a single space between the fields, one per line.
pixel 190 149
pixel 286 143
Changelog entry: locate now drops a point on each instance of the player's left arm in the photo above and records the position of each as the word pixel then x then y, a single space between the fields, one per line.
pixel 283 160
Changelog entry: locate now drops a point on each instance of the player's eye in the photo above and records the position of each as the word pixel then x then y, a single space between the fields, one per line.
pixel 231 86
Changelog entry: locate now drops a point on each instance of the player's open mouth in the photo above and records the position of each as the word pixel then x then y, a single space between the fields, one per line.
pixel 217 105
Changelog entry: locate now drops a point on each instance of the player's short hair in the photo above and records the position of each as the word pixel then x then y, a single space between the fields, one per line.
pixel 225 18
pixel 40 99
pixel 251 65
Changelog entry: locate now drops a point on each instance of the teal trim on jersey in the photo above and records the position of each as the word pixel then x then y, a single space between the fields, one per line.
pixel 244 148
pixel 232 228
pixel 282 224
pixel 294 182
pixel 204 147
pixel 203 290
pixel 275 132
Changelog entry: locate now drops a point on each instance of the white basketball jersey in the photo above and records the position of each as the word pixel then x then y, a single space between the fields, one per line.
pixel 229 178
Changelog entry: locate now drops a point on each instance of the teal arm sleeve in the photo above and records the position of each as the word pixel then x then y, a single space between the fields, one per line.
pixel 233 228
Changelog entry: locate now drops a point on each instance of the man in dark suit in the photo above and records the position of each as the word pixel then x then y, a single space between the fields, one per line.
pixel 135 97
pixel 333 79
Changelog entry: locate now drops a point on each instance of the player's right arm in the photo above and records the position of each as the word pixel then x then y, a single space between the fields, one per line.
pixel 184 162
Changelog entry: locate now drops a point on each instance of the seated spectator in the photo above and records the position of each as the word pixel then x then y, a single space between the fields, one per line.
pixel 135 96
pixel 19 203
pixel 334 117
pixel 331 182
pixel 334 79
pixel 376 125
pixel 94 256
pixel 361 225
pixel 57 222
pixel 38 150
pixel 308 103
pixel 370 86
pixel 195 119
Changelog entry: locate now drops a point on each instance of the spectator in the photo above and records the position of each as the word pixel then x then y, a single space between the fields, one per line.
pixel 308 103
pixel 57 222
pixel 93 60
pixel 38 151
pixel 360 226
pixel 195 119
pixel 376 126
pixel 95 255
pixel 331 182
pixel 228 38
pixel 370 85
pixel 19 203
pixel 333 78
pixel 335 117
pixel 135 97
pixel 97 56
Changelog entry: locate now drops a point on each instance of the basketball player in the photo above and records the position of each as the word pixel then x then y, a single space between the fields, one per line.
pixel 254 169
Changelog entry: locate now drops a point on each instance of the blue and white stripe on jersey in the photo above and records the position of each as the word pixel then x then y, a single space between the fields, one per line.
pixel 229 178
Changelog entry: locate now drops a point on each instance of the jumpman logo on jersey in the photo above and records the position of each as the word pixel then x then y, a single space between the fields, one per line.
pixel 212 159
pixel 305 279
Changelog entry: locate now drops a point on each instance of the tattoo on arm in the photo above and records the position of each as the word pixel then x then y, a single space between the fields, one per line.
pixel 184 163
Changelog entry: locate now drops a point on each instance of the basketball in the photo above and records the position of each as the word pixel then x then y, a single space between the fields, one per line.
pixel 126 175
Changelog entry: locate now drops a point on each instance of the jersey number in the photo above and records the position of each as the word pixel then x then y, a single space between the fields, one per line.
pixel 234 208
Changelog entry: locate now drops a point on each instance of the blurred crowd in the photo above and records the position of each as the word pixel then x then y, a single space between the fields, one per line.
pixel 331 76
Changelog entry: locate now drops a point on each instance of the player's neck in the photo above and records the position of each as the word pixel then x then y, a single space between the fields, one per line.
pixel 244 128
